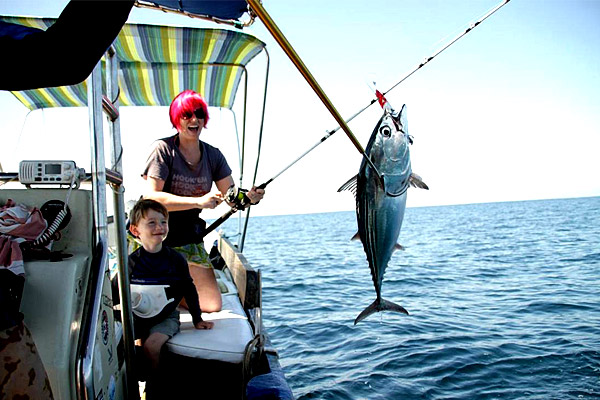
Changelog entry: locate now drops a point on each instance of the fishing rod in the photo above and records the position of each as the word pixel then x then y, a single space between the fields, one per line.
pixel 282 41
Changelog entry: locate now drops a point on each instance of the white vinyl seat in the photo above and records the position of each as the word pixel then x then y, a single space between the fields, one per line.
pixel 227 340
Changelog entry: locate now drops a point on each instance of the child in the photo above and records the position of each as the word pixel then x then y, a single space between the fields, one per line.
pixel 155 264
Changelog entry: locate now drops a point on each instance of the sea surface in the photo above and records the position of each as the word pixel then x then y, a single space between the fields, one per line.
pixel 504 302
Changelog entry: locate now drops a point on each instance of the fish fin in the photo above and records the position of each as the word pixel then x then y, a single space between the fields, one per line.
pixel 398 246
pixel 417 182
pixel 356 236
pixel 350 185
pixel 377 306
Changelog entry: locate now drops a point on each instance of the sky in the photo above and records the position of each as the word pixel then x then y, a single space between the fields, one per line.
pixel 509 112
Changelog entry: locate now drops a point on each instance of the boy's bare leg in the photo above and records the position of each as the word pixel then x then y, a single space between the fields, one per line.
pixel 152 347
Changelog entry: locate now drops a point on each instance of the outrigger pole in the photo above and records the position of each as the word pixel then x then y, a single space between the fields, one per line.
pixel 344 124
pixel 289 50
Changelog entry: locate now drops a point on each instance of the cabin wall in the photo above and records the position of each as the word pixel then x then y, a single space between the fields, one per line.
pixel 54 291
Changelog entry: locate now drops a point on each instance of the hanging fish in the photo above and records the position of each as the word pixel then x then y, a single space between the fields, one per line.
pixel 381 197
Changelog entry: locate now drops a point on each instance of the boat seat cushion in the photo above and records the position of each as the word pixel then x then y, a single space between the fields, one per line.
pixel 226 341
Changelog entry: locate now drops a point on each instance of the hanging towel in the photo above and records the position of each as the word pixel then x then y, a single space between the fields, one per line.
pixel 18 223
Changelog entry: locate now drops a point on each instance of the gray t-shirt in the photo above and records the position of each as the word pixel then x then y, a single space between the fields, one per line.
pixel 168 164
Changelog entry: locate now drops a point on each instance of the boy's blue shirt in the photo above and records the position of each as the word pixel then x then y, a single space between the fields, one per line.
pixel 166 267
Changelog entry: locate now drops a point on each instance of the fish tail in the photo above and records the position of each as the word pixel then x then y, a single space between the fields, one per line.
pixel 377 306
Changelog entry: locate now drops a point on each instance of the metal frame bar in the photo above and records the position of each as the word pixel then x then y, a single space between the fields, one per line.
pixel 112 88
pixel 260 134
pixel 235 23
pixel 84 367
pixel 86 351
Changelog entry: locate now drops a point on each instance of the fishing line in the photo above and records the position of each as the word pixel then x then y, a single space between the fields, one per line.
pixel 25 120
pixel 428 59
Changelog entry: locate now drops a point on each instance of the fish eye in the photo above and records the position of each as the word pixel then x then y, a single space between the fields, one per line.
pixel 385 131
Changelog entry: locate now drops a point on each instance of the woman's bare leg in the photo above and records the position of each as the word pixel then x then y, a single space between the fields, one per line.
pixel 207 287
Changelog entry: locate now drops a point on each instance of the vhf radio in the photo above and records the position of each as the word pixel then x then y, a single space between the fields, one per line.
pixel 61 172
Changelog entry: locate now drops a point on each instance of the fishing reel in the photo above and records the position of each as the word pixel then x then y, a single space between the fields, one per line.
pixel 237 197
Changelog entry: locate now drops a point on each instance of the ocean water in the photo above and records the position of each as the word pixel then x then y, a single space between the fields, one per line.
pixel 504 302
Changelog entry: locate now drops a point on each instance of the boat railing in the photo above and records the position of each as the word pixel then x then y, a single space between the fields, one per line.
pixel 100 177
pixel 249 285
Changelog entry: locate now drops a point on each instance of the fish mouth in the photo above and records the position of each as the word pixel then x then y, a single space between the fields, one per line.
pixel 396 158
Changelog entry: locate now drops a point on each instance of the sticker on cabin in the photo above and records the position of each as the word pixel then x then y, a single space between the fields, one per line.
pixel 112 388
pixel 110 351
pixel 104 327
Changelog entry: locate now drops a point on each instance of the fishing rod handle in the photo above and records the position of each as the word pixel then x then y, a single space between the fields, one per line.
pixel 264 185
pixel 219 221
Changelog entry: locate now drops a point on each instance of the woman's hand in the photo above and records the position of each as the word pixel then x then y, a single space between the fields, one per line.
pixel 210 200
pixel 255 195
pixel 204 325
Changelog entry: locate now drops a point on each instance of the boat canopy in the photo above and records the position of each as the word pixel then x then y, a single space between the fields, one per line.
pixel 158 62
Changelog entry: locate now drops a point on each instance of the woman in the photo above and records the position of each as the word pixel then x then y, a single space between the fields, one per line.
pixel 179 174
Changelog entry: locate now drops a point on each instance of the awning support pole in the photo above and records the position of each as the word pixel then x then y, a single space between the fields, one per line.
pixel 293 56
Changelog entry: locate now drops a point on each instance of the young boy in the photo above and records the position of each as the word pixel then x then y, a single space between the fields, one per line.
pixel 155 264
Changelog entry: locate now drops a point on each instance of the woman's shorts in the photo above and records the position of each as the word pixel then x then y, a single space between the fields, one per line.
pixel 195 254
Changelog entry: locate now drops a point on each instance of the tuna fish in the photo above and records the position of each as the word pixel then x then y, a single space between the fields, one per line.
pixel 381 198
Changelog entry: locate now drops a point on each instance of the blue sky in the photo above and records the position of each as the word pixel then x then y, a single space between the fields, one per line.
pixel 509 112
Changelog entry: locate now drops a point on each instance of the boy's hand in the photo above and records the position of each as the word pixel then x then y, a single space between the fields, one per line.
pixel 204 325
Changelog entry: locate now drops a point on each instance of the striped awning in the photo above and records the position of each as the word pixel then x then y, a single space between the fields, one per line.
pixel 158 62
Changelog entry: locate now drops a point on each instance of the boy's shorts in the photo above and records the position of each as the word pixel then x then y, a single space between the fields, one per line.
pixel 168 326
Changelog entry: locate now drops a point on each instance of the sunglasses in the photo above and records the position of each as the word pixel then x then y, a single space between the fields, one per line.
pixel 199 113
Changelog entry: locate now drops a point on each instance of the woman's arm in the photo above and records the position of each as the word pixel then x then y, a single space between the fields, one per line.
pixel 255 195
pixel 224 184
pixel 178 203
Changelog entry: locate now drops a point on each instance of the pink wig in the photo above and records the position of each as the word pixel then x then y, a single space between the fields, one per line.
pixel 186 102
